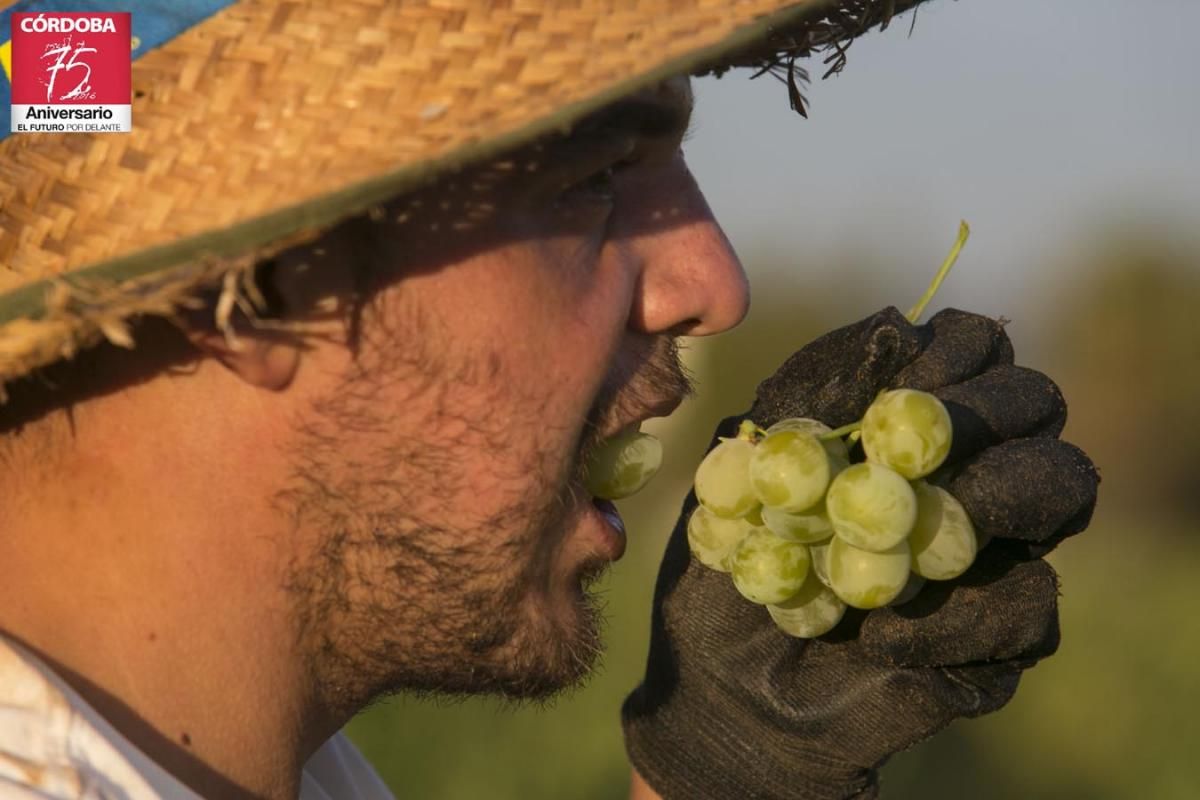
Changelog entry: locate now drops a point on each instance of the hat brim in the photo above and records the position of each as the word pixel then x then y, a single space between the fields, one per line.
pixel 159 239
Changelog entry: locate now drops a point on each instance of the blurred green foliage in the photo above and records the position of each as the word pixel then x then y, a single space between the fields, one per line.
pixel 1126 345
pixel 1111 717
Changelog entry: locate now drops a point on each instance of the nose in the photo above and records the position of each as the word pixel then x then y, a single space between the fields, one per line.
pixel 691 281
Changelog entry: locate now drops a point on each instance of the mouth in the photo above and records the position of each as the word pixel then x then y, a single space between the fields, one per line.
pixel 610 529
pixel 612 517
pixel 610 534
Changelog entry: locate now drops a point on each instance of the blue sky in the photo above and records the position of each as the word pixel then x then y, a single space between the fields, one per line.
pixel 1039 122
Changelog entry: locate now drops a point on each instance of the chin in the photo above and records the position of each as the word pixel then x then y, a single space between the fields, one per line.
pixel 550 646
pixel 556 647
pixel 520 631
pixel 569 652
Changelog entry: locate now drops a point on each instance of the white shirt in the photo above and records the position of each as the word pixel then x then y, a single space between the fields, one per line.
pixel 54 746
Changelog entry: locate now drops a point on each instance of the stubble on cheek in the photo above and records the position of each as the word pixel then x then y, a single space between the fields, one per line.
pixel 427 500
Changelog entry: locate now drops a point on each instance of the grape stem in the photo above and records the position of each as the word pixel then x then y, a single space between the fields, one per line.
pixel 914 313
pixel 840 432
pixel 749 431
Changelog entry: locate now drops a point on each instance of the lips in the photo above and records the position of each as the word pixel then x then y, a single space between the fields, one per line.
pixel 612 529
pixel 608 510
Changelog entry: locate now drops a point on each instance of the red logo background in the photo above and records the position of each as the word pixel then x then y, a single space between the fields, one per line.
pixel 107 55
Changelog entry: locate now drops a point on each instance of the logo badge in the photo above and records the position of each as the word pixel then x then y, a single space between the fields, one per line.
pixel 71 73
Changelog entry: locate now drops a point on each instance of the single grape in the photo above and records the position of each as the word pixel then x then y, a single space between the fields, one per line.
pixel 712 538
pixel 864 579
pixel 836 448
pixel 908 431
pixel 871 507
pixel 811 526
pixel 723 480
pixel 789 471
pixel 815 427
pixel 795 424
pixel 911 589
pixel 812 611
pixel 622 465
pixel 767 569
pixel 818 557
pixel 943 539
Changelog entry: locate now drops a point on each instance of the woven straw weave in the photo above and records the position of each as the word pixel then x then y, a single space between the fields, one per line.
pixel 273 102
pixel 275 118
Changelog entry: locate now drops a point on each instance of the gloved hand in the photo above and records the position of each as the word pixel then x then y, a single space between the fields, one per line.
pixel 732 707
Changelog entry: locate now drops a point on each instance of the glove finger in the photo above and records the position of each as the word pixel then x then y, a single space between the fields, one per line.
pixel 1035 490
pixel 960 345
pixel 940 696
pixel 981 688
pixel 1001 609
pixel 878 710
pixel 1006 402
pixel 834 378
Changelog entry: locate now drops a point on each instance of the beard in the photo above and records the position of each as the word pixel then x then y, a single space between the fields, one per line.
pixel 399 583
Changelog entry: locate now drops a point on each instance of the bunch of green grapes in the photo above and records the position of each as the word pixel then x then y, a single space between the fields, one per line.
pixel 806 533
pixel 802 530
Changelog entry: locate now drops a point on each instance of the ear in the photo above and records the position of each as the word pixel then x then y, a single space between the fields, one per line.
pixel 265 359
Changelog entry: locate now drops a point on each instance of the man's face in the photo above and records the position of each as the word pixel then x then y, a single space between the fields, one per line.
pixel 512 319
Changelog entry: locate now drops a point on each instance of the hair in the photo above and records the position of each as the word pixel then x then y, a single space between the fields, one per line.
pixel 37 419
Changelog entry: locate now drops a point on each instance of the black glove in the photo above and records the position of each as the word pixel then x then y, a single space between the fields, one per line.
pixel 731 707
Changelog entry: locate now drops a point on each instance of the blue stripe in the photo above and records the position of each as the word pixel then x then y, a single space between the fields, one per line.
pixel 153 23
pixel 5 106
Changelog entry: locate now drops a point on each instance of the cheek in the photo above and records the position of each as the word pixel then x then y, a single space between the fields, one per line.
pixel 549 319
pixel 585 308
pixel 522 341
pixel 484 370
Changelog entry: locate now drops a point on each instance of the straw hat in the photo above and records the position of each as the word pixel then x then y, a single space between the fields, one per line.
pixel 260 123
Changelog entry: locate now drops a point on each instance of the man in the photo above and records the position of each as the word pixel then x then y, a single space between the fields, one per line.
pixel 351 464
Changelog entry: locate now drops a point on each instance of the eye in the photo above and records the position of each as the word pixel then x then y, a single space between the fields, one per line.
pixel 596 187
pixel 599 186
pixel 600 183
